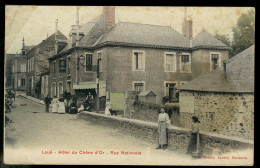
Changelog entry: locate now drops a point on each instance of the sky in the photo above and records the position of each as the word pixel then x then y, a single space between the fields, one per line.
pixel 34 23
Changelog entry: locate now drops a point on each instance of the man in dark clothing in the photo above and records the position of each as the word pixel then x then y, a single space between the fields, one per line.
pixel 47 101
pixel 73 107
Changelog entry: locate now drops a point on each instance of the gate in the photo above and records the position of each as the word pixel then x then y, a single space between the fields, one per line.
pixel 117 100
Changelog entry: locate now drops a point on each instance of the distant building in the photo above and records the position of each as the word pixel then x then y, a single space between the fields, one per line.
pixel 18 65
pixel 133 56
pixel 8 69
pixel 222 99
pixel 37 61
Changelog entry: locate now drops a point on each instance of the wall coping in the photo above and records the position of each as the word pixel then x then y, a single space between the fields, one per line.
pixel 173 128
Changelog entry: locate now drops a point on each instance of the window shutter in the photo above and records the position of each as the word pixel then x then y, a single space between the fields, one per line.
pixel 19 82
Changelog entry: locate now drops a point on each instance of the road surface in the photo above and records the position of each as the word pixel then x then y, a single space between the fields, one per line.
pixel 37 137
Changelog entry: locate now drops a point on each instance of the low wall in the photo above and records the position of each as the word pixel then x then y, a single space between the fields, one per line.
pixel 230 114
pixel 148 111
pixel 178 137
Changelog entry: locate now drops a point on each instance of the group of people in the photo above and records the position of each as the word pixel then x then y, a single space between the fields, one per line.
pixel 163 125
pixel 60 106
pixel 64 105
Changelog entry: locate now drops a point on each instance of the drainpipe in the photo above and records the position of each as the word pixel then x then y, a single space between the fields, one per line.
pixel 225 68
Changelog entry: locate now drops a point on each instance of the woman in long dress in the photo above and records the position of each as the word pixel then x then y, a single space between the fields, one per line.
pixel 163 124
pixel 61 107
pixel 194 135
pixel 108 107
pixel 55 105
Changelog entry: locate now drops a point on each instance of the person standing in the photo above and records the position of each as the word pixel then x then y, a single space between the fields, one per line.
pixel 89 102
pixel 194 136
pixel 108 107
pixel 73 107
pixel 61 106
pixel 47 101
pixel 163 124
pixel 55 104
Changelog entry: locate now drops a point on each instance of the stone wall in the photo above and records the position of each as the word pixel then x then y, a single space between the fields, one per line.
pixel 147 111
pixel 178 137
pixel 223 113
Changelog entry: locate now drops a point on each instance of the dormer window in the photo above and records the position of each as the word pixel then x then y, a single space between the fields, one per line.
pixel 23 52
pixel 215 60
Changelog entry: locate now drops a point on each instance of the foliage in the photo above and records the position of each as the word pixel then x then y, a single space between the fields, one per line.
pixel 224 38
pixel 244 32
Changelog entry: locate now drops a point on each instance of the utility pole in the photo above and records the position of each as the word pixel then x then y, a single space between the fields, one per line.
pixel 97 86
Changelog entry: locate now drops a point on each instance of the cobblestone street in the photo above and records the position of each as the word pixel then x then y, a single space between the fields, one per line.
pixel 34 133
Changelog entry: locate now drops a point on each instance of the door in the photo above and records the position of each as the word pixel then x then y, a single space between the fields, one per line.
pixel 171 90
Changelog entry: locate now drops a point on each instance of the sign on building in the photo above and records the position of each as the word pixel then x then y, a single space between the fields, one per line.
pixel 186 104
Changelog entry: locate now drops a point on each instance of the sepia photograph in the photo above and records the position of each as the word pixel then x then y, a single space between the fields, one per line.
pixel 129 85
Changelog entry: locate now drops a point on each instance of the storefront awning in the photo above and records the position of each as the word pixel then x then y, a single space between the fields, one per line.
pixel 89 85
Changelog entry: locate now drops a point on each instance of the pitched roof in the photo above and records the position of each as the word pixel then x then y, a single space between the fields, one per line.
pixel 51 39
pixel 145 93
pixel 144 34
pixel 240 76
pixel 206 40
pixel 28 48
pixel 92 30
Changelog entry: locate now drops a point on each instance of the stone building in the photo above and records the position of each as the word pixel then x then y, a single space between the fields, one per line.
pixel 18 65
pixel 8 69
pixel 133 56
pixel 37 61
pixel 222 99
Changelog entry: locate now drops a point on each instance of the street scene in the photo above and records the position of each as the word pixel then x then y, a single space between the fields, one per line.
pixel 122 86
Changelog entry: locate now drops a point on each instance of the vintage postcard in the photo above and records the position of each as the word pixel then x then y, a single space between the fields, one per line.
pixel 122 85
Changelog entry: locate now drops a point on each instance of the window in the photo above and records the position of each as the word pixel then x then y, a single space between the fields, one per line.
pixel 62 66
pixel 23 67
pixel 60 89
pixel 88 62
pixel 170 90
pixel 23 82
pixel 138 60
pixel 68 65
pixel 32 63
pixel 100 61
pixel 13 69
pixel 23 52
pixel 170 62
pixel 54 69
pixel 215 60
pixel 53 90
pixel 139 86
pixel 185 63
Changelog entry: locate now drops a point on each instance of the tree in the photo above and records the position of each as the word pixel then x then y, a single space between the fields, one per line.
pixel 224 38
pixel 244 32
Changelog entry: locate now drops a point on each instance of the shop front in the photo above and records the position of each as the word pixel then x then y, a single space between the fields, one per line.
pixel 85 90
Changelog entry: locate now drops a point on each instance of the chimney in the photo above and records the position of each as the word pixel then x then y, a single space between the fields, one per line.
pixel 56 38
pixel 225 68
pixel 187 25
pixel 56 29
pixel 109 18
pixel 23 43
pixel 77 23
